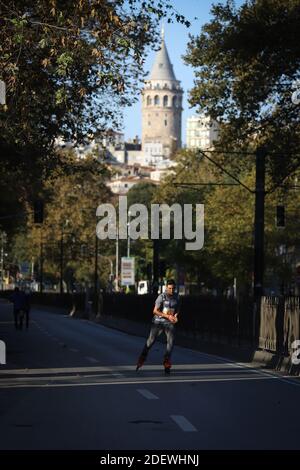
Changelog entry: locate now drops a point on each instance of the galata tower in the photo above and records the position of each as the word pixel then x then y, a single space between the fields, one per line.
pixel 162 106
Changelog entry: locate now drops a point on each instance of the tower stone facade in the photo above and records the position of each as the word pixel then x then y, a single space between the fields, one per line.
pixel 161 107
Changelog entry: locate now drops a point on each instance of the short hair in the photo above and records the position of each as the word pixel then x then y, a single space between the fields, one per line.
pixel 171 282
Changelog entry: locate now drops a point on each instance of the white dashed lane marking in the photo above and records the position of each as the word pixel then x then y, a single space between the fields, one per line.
pixel 92 359
pixel 147 394
pixel 183 423
pixel 117 375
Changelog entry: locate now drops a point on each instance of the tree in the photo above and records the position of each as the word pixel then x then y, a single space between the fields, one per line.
pixel 70 65
pixel 69 227
pixel 229 211
pixel 180 186
pixel 141 193
pixel 246 60
pixel 69 68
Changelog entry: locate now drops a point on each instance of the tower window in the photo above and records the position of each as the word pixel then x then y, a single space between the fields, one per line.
pixel 156 100
pixel 149 123
pixel 165 100
pixel 166 122
pixel 149 101
pixel 175 101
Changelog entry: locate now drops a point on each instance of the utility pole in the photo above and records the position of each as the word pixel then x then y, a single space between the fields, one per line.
pixel 128 234
pixel 3 240
pixel 259 232
pixel 259 222
pixel 2 263
pixel 96 275
pixel 41 262
pixel 155 264
pixel 117 259
pixel 63 226
pixel 61 261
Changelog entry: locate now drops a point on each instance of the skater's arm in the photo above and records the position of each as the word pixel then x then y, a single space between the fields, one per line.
pixel 173 313
pixel 176 312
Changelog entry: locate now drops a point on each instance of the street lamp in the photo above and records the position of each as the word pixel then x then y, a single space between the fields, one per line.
pixel 3 241
pixel 128 234
pixel 64 225
pixel 117 259
pixel 96 275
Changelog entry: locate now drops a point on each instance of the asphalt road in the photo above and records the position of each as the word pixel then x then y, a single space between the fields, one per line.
pixel 71 384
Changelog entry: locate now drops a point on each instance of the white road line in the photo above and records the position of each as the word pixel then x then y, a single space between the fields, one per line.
pixel 123 382
pixel 91 359
pixel 147 394
pixel 285 379
pixel 117 375
pixel 74 350
pixel 183 423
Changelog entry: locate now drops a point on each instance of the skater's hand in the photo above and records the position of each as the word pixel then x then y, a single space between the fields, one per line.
pixel 172 318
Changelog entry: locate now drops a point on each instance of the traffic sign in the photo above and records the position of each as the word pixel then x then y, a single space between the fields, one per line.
pixel 127 271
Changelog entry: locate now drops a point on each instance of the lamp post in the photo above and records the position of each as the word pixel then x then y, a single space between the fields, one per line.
pixel 41 261
pixel 259 223
pixel 3 241
pixel 61 282
pixel 117 260
pixel 96 275
pixel 128 234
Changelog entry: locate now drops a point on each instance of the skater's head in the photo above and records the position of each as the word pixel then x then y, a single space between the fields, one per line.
pixel 170 286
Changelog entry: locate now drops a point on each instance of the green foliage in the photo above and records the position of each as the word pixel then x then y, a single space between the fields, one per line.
pixel 246 60
pixel 229 224
pixel 71 200
pixel 69 68
pixel 141 193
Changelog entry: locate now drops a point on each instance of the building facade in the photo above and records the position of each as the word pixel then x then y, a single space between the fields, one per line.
pixel 201 132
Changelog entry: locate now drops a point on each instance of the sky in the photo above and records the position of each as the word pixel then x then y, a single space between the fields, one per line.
pixel 176 38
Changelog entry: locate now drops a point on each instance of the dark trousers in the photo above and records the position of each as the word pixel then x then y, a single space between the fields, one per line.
pixel 155 331
pixel 19 319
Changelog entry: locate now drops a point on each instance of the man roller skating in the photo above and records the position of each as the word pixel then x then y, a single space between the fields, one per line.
pixel 165 316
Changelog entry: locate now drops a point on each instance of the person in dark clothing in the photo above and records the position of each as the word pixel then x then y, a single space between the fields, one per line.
pixel 21 304
pixel 165 316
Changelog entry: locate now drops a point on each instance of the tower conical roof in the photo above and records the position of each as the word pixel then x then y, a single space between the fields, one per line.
pixel 162 68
